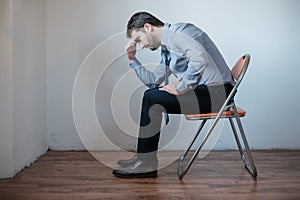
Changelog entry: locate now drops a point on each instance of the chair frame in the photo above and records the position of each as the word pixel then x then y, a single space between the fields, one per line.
pixel 235 113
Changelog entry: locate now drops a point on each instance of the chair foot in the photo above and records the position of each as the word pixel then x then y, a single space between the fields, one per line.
pixel 251 171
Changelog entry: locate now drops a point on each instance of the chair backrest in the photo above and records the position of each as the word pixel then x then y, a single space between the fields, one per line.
pixel 238 71
pixel 240 67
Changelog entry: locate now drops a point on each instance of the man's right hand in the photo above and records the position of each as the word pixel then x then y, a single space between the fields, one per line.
pixel 131 50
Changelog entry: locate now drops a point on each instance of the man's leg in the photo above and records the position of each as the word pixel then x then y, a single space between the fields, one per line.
pixel 145 163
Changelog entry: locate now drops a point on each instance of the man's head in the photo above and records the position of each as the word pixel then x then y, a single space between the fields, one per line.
pixel 145 29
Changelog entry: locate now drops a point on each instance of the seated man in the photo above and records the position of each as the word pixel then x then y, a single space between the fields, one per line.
pixel 204 82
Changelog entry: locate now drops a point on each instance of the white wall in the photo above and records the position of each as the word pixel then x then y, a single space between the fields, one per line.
pixel 23 84
pixel 268 30
pixel 6 147
pixel 29 81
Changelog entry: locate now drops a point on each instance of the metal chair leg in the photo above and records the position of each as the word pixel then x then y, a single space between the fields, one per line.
pixel 181 171
pixel 251 168
pixel 237 140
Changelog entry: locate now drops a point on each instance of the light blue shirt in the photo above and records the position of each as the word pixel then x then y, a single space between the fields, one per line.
pixel 194 60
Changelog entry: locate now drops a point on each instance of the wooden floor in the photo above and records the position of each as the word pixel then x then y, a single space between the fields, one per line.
pixel 220 175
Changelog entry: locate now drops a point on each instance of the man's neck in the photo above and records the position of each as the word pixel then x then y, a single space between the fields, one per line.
pixel 159 32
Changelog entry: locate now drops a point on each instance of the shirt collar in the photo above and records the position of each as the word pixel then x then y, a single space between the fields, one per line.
pixel 165 33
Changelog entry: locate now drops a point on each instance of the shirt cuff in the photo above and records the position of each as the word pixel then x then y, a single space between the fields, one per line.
pixel 183 86
pixel 135 64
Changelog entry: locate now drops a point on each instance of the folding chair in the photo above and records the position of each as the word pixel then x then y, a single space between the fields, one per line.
pixel 228 110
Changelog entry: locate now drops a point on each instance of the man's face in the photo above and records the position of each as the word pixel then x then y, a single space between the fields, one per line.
pixel 145 39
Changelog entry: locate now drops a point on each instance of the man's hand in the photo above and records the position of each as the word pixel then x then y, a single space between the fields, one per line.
pixel 170 88
pixel 131 50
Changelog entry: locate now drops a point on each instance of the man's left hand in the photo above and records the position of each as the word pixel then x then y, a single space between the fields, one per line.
pixel 170 88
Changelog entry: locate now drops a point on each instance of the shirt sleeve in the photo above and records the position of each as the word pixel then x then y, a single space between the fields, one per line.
pixel 196 59
pixel 149 78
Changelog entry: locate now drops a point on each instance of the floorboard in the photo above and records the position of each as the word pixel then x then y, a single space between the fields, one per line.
pixel 219 175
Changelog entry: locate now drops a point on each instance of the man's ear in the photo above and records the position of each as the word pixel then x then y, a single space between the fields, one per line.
pixel 148 27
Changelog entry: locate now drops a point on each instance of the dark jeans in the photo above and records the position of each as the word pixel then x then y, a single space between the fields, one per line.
pixel 202 99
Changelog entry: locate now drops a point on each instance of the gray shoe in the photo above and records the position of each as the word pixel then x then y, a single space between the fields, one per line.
pixel 126 163
pixel 139 169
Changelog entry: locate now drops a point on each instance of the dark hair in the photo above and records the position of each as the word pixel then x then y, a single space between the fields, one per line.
pixel 138 21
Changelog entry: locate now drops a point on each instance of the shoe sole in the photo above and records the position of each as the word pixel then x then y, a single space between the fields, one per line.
pixel 136 175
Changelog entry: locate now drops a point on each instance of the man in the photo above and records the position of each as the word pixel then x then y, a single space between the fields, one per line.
pixel 204 82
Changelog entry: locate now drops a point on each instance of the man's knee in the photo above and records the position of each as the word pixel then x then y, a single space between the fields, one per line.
pixel 149 94
pixel 151 100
